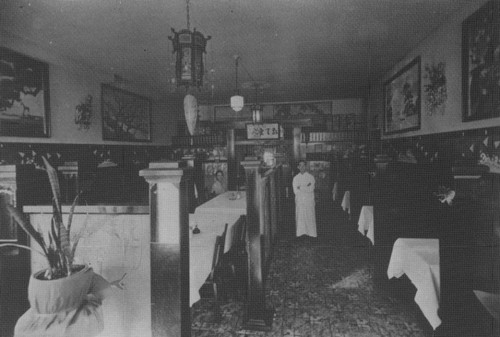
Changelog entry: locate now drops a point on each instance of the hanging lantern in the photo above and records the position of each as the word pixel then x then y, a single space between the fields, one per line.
pixel 257 113
pixel 189 47
pixel 191 112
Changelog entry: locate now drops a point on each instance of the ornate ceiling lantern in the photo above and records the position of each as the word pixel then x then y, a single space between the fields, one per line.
pixel 189 47
pixel 256 113
pixel 257 109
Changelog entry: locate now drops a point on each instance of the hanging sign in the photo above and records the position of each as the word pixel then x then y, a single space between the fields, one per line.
pixel 263 131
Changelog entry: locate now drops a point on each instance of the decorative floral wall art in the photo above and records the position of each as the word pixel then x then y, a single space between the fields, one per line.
pixel 435 92
pixel 83 113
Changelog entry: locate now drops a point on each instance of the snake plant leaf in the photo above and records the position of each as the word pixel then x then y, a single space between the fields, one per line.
pixel 54 232
pixel 71 211
pixel 19 218
pixel 54 183
pixel 75 244
pixel 65 243
pixel 62 239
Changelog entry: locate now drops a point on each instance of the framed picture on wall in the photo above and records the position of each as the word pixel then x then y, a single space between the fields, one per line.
pixel 480 63
pixel 402 100
pixel 320 112
pixel 125 116
pixel 24 96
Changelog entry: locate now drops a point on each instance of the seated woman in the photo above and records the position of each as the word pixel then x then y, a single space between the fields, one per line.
pixel 219 186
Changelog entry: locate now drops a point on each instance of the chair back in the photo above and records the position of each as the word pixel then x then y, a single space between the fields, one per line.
pixel 218 251
pixel 224 234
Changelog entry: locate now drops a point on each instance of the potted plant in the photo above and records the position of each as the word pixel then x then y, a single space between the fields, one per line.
pixel 65 298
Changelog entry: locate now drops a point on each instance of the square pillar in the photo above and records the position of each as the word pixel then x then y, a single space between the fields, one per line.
pixel 170 186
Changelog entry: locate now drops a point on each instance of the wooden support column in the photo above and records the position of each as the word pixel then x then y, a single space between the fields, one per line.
pixel 258 315
pixel 169 188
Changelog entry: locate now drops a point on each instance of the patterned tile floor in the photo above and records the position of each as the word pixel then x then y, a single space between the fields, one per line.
pixel 319 289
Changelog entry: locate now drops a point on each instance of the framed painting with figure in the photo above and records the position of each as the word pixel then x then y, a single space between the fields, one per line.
pixel 125 116
pixel 24 95
pixel 480 63
pixel 402 100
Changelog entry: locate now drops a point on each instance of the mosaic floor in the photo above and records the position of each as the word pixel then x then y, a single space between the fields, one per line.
pixel 319 289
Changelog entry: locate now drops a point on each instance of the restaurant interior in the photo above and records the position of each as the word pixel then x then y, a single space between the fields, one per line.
pixel 166 135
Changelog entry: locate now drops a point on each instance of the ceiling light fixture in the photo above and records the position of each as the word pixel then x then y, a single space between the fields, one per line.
pixel 257 113
pixel 189 48
pixel 237 101
pixel 257 108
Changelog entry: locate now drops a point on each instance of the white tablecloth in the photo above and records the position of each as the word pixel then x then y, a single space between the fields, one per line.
pixel 346 202
pixel 419 260
pixel 365 223
pixel 211 218
pixel 201 251
pixel 215 213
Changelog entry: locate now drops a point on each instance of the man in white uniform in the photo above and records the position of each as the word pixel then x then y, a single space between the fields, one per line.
pixel 305 213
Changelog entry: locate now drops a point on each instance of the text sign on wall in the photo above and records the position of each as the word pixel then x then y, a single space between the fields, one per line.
pixel 263 131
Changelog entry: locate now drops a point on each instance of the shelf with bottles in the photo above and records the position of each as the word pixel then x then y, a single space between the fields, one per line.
pixel 332 136
pixel 199 140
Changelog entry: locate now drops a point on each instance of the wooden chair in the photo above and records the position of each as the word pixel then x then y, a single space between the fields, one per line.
pixel 213 288
pixel 237 260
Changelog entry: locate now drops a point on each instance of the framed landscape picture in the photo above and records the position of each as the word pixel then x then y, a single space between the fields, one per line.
pixel 319 112
pixel 480 63
pixel 402 100
pixel 24 96
pixel 125 116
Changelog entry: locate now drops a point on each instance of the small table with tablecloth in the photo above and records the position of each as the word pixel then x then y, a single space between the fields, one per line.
pixel 365 223
pixel 419 260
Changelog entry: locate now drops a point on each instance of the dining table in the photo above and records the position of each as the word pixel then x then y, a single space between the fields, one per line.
pixel 346 202
pixel 365 223
pixel 201 251
pixel 419 260
pixel 213 215
pixel 210 218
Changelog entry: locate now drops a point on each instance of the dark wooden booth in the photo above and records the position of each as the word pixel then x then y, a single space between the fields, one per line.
pixel 265 207
pixel 406 206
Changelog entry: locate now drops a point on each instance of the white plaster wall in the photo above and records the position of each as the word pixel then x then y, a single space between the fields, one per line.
pixel 70 83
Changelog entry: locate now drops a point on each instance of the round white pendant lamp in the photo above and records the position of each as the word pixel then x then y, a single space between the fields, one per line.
pixel 237 102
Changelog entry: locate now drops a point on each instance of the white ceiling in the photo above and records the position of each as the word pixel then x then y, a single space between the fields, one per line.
pixel 304 49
